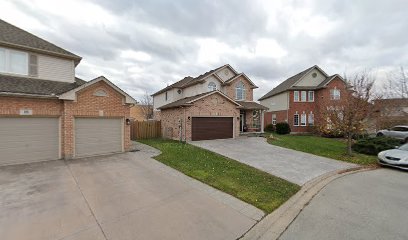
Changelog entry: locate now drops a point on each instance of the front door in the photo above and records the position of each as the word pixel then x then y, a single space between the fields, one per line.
pixel 242 121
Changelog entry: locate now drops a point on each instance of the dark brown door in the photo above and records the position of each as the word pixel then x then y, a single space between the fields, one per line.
pixel 206 128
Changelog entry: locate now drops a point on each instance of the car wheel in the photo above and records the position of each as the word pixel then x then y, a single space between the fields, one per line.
pixel 380 134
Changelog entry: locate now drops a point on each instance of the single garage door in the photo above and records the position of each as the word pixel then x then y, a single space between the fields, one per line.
pixel 24 140
pixel 96 136
pixel 206 128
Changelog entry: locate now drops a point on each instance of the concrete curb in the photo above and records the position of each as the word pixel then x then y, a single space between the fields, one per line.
pixel 273 225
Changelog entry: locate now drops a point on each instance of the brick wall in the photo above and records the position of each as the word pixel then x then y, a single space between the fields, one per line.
pixel 213 105
pixel 281 116
pixel 321 100
pixel 230 89
pixel 89 105
pixel 86 105
pixel 11 106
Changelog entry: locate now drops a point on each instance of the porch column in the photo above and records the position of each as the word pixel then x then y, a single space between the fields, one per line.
pixel 262 120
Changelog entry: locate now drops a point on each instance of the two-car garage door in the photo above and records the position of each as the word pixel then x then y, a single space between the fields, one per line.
pixel 28 140
pixel 206 128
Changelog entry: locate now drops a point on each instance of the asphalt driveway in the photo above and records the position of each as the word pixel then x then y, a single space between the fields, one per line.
pixel 123 196
pixel 367 205
pixel 294 166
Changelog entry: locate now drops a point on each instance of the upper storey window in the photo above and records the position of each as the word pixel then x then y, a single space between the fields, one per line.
pixel 212 86
pixel 240 91
pixel 334 94
pixel 15 62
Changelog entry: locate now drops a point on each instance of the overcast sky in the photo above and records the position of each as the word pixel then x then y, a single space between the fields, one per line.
pixel 146 45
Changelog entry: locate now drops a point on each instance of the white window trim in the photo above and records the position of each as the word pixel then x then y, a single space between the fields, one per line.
pixel 334 96
pixel 273 119
pixel 303 93
pixel 238 87
pixel 296 96
pixel 294 117
pixel 310 93
pixel 212 86
pixel 303 117
pixel 7 63
pixel 310 119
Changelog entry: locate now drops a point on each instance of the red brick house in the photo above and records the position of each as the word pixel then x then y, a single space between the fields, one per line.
pixel 215 105
pixel 46 112
pixel 299 99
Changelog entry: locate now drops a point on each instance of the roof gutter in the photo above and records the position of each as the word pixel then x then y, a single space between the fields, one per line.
pixel 28 95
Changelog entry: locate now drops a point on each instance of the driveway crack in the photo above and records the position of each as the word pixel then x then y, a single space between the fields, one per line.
pixel 86 200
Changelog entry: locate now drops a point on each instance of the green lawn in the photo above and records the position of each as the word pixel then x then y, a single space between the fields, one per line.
pixel 326 147
pixel 251 185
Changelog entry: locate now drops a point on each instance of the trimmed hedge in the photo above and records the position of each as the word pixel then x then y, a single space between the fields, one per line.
pixel 282 128
pixel 269 128
pixel 372 146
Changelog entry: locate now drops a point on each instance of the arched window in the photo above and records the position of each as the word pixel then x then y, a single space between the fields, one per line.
pixel 212 86
pixel 240 91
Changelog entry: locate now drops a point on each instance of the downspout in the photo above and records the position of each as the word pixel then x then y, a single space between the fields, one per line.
pixel 287 109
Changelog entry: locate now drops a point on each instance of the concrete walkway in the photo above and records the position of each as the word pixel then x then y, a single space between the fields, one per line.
pixel 294 166
pixel 361 206
pixel 123 197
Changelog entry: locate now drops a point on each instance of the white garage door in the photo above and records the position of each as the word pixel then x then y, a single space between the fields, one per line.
pixel 24 140
pixel 95 136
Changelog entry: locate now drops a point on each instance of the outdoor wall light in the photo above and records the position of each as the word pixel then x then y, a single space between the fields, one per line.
pixel 237 118
pixel 127 121
pixel 188 117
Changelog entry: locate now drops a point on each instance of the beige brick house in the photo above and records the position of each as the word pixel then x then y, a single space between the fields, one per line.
pixel 300 99
pixel 46 112
pixel 215 105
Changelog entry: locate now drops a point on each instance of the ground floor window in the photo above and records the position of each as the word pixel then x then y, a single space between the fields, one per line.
pixel 303 119
pixel 311 119
pixel 296 120
pixel 274 119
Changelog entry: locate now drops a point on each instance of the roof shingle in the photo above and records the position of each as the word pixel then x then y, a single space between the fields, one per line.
pixel 14 36
pixel 23 85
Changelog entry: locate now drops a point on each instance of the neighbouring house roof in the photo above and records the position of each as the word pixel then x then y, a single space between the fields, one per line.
pixel 13 36
pixel 251 105
pixel 189 81
pixel 13 85
pixel 70 95
pixel 189 101
pixel 288 84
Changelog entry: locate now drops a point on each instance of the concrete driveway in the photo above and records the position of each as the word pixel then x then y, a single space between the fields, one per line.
pixel 294 166
pixel 123 196
pixel 367 205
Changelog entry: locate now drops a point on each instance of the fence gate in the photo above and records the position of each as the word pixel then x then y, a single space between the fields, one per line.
pixel 145 129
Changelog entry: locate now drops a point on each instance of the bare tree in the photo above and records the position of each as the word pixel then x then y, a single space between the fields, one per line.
pixel 348 114
pixel 146 104
pixel 397 85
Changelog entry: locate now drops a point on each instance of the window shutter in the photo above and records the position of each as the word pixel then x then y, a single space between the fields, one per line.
pixel 33 66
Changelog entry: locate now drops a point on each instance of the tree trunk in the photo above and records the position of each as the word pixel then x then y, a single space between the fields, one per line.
pixel 349 143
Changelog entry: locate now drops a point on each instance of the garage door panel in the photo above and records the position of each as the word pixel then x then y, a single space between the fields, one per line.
pixel 25 140
pixel 206 128
pixel 95 136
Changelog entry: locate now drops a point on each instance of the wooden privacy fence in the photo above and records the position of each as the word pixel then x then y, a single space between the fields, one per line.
pixel 145 129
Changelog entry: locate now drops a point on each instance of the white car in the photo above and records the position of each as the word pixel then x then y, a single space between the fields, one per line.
pixel 398 132
pixel 395 157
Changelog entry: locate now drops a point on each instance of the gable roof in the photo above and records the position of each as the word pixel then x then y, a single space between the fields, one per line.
pixel 189 81
pixel 188 101
pixel 13 85
pixel 229 81
pixel 70 95
pixel 288 83
pixel 13 36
